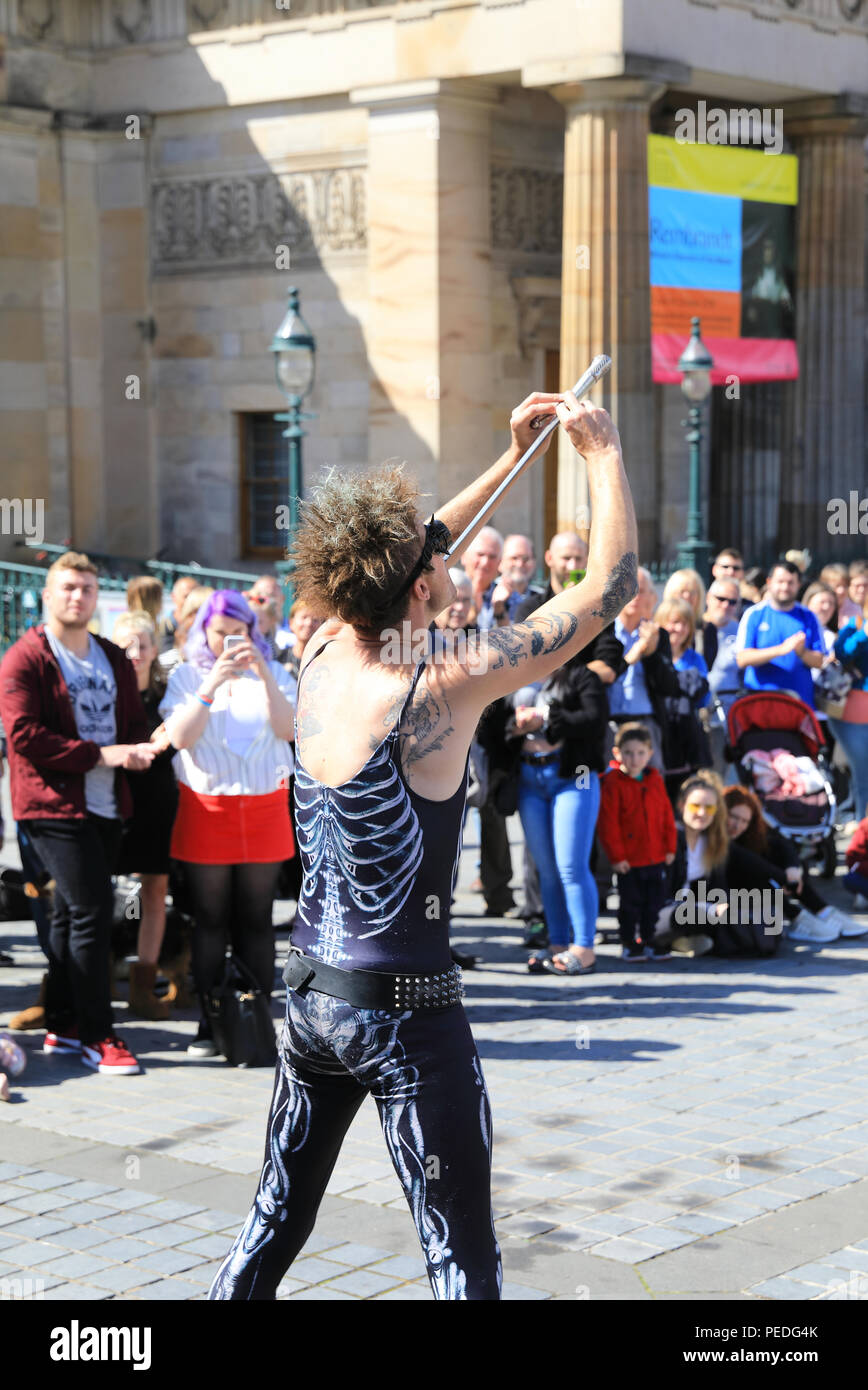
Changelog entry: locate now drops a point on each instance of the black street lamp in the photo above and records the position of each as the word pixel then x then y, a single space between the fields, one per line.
pixel 294 351
pixel 695 364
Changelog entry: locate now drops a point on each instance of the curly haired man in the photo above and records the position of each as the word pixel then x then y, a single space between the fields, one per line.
pixel 382 740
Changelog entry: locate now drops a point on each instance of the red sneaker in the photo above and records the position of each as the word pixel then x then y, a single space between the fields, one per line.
pixel 111 1057
pixel 67 1043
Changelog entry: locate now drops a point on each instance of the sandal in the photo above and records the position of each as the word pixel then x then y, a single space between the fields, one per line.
pixel 566 963
pixel 538 963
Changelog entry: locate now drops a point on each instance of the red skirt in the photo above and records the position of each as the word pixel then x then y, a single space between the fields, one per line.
pixel 232 829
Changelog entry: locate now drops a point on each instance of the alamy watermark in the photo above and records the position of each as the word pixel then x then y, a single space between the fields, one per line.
pixel 23 516
pixel 847 516
pixel 740 125
pixel 408 647
pixel 760 906
pixel 737 125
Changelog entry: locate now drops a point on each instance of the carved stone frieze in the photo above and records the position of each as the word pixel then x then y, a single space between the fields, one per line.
pixel 241 220
pixel 526 209
pixel 132 19
pixel 538 298
pixel 37 18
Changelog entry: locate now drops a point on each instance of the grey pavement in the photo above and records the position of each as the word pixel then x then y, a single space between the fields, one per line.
pixel 690 1130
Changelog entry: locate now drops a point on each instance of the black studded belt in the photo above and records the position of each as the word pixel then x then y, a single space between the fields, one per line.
pixel 374 989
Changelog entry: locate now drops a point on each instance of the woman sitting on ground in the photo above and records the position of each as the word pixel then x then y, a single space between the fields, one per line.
pixel 709 865
pixel 810 917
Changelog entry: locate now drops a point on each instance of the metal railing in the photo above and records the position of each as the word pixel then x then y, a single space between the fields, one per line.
pixel 21 585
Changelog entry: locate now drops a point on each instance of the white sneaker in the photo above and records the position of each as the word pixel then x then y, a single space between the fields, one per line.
pixel 807 927
pixel 847 926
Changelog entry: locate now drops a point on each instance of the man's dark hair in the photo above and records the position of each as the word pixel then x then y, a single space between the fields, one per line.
pixel 785 565
pixel 357 543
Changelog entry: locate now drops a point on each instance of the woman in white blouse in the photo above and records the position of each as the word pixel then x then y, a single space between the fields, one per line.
pixel 229 710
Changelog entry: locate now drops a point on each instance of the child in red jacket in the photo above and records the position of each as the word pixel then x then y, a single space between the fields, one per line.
pixel 856 880
pixel 637 830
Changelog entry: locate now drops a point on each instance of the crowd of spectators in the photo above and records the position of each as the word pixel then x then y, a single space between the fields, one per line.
pixel 618 763
pixel 163 759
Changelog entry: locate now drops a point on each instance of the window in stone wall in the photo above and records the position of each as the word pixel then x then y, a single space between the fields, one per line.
pixel 264 484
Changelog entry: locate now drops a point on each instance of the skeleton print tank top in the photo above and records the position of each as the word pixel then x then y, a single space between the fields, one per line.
pixel 379 864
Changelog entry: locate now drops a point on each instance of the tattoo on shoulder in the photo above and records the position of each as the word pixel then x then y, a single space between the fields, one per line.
pixel 619 588
pixel 426 726
pixel 536 636
pixel 308 715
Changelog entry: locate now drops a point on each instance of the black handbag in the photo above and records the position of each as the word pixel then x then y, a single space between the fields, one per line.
pixel 240 1018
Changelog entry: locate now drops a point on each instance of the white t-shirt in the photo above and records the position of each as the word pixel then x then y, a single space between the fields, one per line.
pixel 238 754
pixel 93 691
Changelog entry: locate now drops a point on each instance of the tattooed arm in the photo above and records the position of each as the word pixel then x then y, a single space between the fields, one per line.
pixel 510 658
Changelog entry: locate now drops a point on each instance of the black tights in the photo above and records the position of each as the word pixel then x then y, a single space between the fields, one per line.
pixel 232 902
pixel 423 1071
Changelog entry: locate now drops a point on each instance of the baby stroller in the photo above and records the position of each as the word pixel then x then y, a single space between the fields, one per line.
pixel 801 807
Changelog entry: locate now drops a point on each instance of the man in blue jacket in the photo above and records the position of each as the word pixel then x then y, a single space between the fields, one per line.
pixel 779 640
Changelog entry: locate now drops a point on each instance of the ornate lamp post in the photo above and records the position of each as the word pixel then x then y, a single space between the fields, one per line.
pixel 695 364
pixel 294 351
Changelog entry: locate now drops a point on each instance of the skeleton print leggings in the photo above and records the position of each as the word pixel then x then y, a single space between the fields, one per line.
pixel 423 1071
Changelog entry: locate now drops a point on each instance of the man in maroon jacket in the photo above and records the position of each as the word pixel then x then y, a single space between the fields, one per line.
pixel 70 706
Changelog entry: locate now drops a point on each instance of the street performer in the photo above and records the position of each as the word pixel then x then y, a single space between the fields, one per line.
pixel 382 742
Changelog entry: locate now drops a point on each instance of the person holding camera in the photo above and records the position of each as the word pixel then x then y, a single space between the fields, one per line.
pixel 229 710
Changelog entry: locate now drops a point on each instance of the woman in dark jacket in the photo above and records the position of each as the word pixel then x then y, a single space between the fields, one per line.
pixel 809 916
pixel 552 737
pixel 144 850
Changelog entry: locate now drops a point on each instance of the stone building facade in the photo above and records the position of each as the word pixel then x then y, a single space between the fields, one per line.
pixel 429 169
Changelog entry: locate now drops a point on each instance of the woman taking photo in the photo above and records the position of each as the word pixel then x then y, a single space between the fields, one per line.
pixel 144 851
pixel 557 736
pixel 227 711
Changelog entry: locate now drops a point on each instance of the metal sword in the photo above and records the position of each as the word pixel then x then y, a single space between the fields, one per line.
pixel 598 368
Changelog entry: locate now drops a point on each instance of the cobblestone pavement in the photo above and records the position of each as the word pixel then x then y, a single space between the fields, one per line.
pixel 695 1129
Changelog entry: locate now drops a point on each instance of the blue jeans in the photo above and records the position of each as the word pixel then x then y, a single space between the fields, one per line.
pixel 559 819
pixel 853 738
pixel 855 882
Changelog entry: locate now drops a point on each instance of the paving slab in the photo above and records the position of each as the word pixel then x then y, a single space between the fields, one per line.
pixel 709 1142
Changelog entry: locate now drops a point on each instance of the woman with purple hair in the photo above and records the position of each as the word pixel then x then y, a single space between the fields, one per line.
pixel 229 710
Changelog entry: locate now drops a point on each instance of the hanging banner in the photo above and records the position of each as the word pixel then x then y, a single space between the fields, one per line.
pixel 721 225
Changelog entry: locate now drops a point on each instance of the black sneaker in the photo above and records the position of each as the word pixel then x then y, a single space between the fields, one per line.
pixel 464 959
pixel 535 934
pixel 635 952
pixel 657 953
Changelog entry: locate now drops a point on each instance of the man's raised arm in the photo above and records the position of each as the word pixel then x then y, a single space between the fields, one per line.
pixel 509 658
pixel 461 510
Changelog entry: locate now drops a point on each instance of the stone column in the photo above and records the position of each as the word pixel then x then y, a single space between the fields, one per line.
pixel 428 328
pixel 111 467
pixel 605 288
pixel 32 348
pixel 824 438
